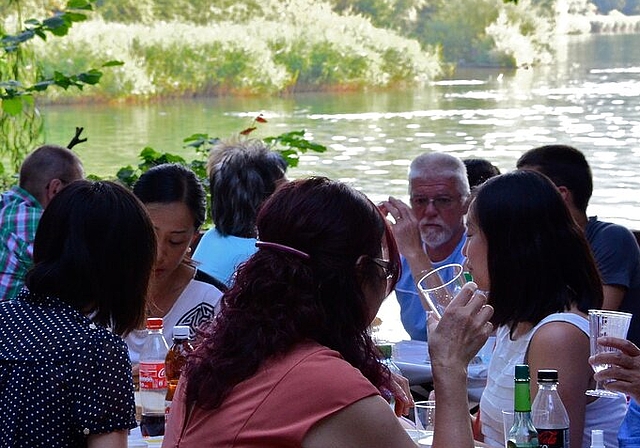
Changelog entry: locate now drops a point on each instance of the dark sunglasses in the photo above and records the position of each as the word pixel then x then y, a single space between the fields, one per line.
pixel 385 265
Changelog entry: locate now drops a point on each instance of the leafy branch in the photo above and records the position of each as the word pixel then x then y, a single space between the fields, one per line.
pixel 58 25
pixel 15 96
pixel 20 120
pixel 289 144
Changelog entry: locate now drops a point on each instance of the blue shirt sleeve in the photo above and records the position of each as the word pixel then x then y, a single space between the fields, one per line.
pixel 629 433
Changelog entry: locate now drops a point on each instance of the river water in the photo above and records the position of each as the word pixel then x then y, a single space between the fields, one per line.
pixel 590 98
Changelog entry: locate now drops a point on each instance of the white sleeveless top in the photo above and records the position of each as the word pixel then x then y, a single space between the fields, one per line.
pixel 603 413
pixel 198 303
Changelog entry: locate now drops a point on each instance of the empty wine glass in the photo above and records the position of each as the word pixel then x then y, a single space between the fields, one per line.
pixel 605 323
pixel 439 286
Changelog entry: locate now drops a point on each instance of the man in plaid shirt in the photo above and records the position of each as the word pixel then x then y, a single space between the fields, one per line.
pixel 43 173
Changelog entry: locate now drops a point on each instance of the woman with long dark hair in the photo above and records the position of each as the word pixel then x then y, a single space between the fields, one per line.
pixel 65 374
pixel 179 292
pixel 525 248
pixel 288 361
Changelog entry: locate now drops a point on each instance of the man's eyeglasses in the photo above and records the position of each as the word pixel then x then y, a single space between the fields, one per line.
pixel 385 265
pixel 440 202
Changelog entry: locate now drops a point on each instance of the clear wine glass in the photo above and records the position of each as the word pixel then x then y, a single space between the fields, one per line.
pixel 439 286
pixel 605 323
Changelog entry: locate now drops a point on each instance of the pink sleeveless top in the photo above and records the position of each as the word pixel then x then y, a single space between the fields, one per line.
pixel 275 407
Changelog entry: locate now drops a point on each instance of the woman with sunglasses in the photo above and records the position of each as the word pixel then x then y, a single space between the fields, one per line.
pixel 288 361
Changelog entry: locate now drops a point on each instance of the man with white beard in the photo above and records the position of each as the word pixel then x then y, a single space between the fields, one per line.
pixel 431 231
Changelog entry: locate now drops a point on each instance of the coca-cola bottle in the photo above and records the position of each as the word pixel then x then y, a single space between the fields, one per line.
pixel 153 382
pixel 175 360
pixel 549 414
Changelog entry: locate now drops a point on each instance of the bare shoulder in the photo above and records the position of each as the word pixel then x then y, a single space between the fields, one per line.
pixel 559 332
pixel 564 347
pixel 367 423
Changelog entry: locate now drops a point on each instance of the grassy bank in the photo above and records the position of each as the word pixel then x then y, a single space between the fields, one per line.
pixel 182 48
pixel 263 57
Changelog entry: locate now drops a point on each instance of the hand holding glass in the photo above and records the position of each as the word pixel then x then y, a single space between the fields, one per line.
pixel 605 323
pixel 439 286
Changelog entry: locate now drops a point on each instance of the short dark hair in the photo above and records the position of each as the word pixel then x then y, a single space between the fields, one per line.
pixel 94 249
pixel 171 182
pixel 46 163
pixel 279 300
pixel 538 259
pixel 479 170
pixel 242 174
pixel 565 166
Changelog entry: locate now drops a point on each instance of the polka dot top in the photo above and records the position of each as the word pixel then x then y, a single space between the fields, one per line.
pixel 62 377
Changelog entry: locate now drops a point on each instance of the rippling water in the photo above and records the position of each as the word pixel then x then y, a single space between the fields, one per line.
pixel 590 99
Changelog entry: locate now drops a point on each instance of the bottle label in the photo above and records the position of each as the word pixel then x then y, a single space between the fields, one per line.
pixel 512 444
pixel 152 375
pixel 553 438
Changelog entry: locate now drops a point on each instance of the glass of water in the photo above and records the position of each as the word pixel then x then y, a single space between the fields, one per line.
pixel 605 323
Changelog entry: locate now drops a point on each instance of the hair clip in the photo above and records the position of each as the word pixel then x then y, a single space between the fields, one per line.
pixel 282 248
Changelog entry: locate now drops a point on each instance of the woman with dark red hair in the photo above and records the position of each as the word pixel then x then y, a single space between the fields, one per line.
pixel 288 361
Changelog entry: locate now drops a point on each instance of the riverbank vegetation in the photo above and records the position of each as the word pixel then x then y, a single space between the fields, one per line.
pixel 174 48
pixel 197 47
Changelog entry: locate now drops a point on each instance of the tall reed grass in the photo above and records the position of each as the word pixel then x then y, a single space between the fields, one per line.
pixel 317 49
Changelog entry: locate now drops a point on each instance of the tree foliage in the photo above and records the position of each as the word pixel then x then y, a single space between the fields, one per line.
pixel 20 120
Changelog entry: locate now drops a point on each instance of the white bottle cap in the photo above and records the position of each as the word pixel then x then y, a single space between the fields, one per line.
pixel 181 332
pixel 597 438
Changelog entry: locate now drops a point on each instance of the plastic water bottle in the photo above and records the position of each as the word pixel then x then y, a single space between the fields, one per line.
pixel 522 434
pixel 597 438
pixel 153 382
pixel 175 360
pixel 549 414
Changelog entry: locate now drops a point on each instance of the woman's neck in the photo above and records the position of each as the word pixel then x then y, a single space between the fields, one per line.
pixel 164 294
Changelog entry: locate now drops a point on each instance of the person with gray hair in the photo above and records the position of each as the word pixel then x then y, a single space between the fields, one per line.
pixel 43 174
pixel 430 231
pixel 242 174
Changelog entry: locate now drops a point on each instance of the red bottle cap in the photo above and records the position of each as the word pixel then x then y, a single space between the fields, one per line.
pixel 154 323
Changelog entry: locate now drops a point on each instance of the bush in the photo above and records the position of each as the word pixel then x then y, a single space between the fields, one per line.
pixel 321 50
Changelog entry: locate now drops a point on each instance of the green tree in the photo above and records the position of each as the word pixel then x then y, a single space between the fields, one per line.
pixel 21 78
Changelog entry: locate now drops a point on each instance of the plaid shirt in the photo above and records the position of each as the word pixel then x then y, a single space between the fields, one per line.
pixel 19 216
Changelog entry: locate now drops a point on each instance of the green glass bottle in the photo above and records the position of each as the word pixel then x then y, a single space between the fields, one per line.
pixel 522 434
pixel 386 351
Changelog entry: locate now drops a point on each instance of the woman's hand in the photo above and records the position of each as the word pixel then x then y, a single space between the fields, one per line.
pixel 623 375
pixel 453 342
pixel 462 331
pixel 402 394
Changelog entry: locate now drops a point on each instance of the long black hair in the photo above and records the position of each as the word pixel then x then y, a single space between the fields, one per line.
pixel 539 261
pixel 94 249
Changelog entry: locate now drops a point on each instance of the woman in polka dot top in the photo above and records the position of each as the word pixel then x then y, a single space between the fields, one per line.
pixel 65 375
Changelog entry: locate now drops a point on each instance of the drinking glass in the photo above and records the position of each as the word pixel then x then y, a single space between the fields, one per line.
pixel 425 416
pixel 507 423
pixel 439 286
pixel 605 323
